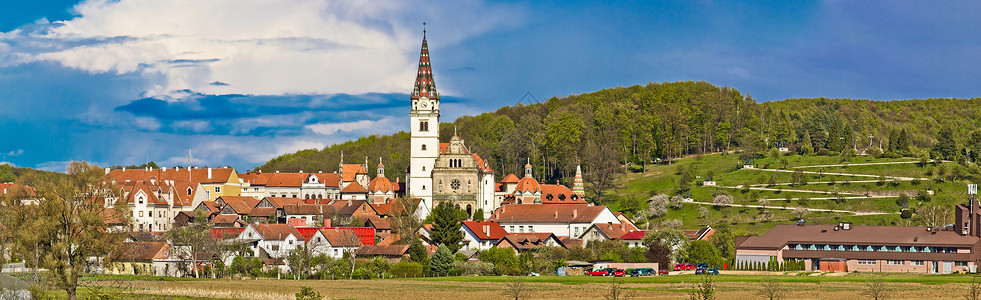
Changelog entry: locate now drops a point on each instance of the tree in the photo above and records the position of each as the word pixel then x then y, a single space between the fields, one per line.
pixel 659 206
pixel 703 252
pixel 192 242
pixel 770 289
pixel 446 226
pixel 946 147
pixel 417 252
pixel 307 293
pixel 70 223
pixel 933 215
pixel 515 288
pixel 974 290
pixel 442 261
pixel 616 291
pixel 800 211
pixel 404 221
pixel 724 240
pixel 478 215
pixel 677 201
pixel 703 290
pixel 600 167
pixel 658 253
pixel 301 260
pixel 807 148
pixel 723 199
pixel 798 178
pixel 875 288
pixel 703 213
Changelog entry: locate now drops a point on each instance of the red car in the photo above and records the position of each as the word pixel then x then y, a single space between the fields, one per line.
pixel 662 272
pixel 602 272
pixel 684 267
pixel 619 273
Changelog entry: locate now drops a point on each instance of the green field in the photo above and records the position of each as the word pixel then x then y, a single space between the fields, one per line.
pixel 635 189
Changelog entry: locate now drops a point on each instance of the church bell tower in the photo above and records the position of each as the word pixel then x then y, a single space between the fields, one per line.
pixel 424 141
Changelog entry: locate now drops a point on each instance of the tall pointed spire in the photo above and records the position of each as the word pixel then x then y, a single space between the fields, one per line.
pixel 577 186
pixel 425 85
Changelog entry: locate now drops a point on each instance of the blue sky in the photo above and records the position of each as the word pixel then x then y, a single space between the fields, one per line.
pixel 237 82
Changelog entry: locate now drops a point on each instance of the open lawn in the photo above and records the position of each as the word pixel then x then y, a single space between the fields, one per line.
pixel 580 287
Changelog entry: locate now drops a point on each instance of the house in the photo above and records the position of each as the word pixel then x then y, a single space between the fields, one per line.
pixel 524 242
pixel 143 258
pixel 28 196
pixel 699 234
pixel 382 226
pixel 845 248
pixel 481 235
pixel 562 220
pixel 305 215
pixel 334 242
pixel 634 238
pixel 291 185
pixel 212 182
pixel 606 232
pixel 393 253
pixel 273 241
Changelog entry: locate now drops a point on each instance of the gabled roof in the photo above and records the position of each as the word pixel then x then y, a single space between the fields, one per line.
pixel 255 179
pixel 547 213
pixel 699 234
pixel 304 209
pixel 225 233
pixel 378 222
pixel 482 164
pixel 279 202
pixel 142 251
pixel 612 231
pixel 276 232
pixel 262 211
pixel 341 237
pixel 351 170
pixel 218 175
pixel 382 208
pixel 383 250
pixel 287 179
pixel 511 178
pixel 349 207
pixel 634 235
pixel 329 179
pixel 224 219
pixel 211 205
pixel 241 205
pixel 559 194
pixel 486 230
pixel 527 241
pixel 354 188
pixel 570 242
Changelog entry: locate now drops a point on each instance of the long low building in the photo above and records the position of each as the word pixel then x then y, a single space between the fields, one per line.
pixel 845 247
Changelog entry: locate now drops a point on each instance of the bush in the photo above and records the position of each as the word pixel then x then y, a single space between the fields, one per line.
pixel 504 261
pixel 307 293
pixel 407 269
pixel 905 214
pixel 635 169
pixel 475 267
pixel 824 152
pixel 361 273
pixel 454 272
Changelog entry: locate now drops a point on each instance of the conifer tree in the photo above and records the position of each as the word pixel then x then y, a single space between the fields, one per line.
pixel 446 226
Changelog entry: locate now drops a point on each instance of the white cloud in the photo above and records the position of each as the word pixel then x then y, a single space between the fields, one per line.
pixel 17 152
pixel 352 127
pixel 256 46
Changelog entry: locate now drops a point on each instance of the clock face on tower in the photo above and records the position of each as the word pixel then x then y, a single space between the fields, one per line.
pixel 423 105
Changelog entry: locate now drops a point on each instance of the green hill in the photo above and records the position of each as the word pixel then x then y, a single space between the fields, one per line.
pixel 627 126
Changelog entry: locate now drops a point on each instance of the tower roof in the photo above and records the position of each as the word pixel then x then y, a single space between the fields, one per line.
pixel 425 85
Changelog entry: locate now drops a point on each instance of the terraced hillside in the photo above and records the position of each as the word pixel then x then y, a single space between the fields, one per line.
pixel 780 188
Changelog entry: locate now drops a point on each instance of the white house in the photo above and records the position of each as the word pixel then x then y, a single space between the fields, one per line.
pixel 481 235
pixel 570 220
pixel 333 242
pixel 271 240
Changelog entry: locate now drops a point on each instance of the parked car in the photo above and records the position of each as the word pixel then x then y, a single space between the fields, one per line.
pixel 684 267
pixel 642 272
pixel 704 271
pixel 702 266
pixel 602 272
pixel 619 273
pixel 662 272
pixel 533 274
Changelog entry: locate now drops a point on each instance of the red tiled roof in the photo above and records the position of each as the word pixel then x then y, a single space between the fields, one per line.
pixel 559 194
pixel 308 232
pixel 380 184
pixel 341 237
pixel 528 185
pixel 262 211
pixel 211 205
pixel 546 213
pixel 279 202
pixel 224 219
pixel 287 179
pixel 481 164
pixel 526 241
pixel 613 231
pixel 354 188
pixel 493 230
pixel 218 175
pixel 383 250
pixel 142 251
pixel 225 233
pixel 304 209
pixel 570 242
pixel 329 179
pixel 255 179
pixel 382 209
pixel 276 231
pixel 634 235
pixel 379 222
pixel 510 179
pixel 351 170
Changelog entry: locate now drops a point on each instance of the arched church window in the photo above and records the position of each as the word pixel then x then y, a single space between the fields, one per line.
pixel 457 207
pixel 423 147
pixel 469 210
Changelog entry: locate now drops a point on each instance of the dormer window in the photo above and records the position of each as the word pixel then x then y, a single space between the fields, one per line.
pixel 189 190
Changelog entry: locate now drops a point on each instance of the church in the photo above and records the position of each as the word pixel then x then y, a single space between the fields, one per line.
pixel 443 172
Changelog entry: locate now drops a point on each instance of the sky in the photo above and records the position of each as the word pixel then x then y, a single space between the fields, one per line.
pixel 238 82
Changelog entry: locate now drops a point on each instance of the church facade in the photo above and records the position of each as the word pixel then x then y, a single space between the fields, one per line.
pixel 443 172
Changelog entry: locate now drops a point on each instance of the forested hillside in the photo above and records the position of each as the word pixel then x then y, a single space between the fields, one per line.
pixel 630 125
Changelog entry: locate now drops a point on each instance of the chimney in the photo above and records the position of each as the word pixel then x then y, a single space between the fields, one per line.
pixel 556 214
pixel 107 171
pixel 124 169
pixel 163 169
pixel 209 172
pixel 151 169
pixel 301 171
pixel 320 172
pixel 350 202
pixel 487 230
pixel 575 213
pixel 277 171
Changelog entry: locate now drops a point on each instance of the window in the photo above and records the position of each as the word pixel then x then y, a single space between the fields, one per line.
pixel 531 228
pixel 141 199
pixel 424 168
pixel 141 214
pixel 424 125
pixel 255 189
pixel 894 262
pixel 521 229
pixel 960 264
pixel 217 189
pixel 866 262
pixel 189 191
pixel 423 147
pixel 916 262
